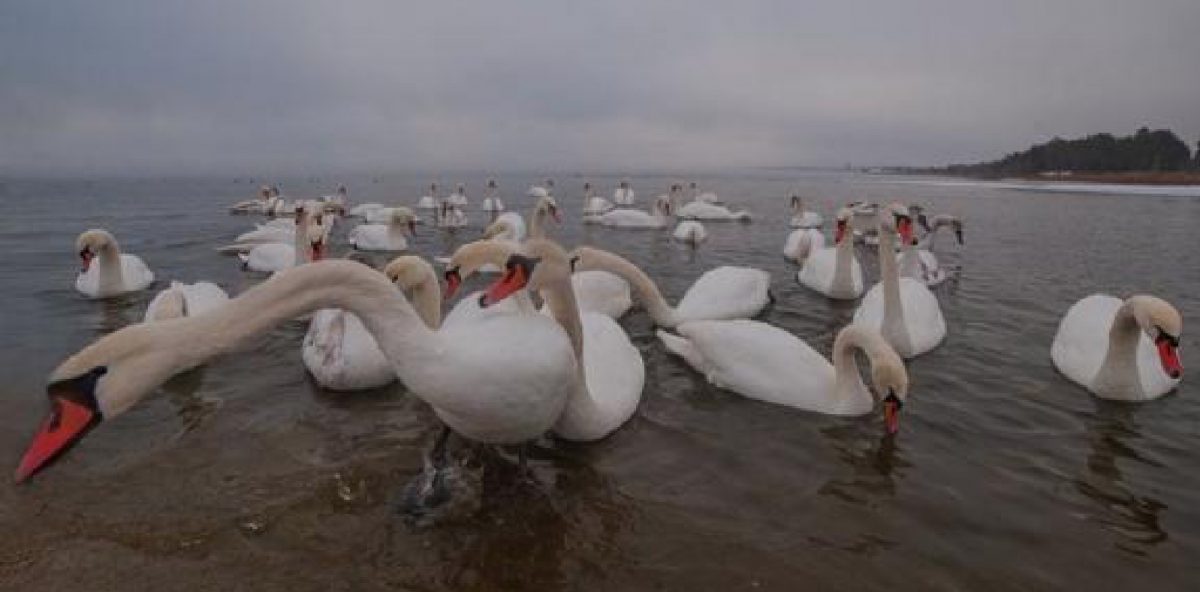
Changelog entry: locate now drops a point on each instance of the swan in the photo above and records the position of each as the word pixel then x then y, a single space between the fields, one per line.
pixel 429 202
pixel 658 217
pixel 362 210
pixel 903 310
pixel 690 232
pixel 342 355
pixel 507 226
pixel 308 245
pixel 699 210
pixel 114 272
pixel 722 293
pixel 592 203
pixel 943 221
pixel 595 291
pixel 257 205
pixel 385 237
pixel 546 207
pixel 185 300
pixel 705 197
pixel 802 243
pixel 802 218
pixel 1120 350
pixel 917 260
pixel 611 372
pixel 459 197
pixel 450 217
pixel 769 364
pixel 491 198
pixel 623 195
pixel 338 198
pixel 481 388
pixel 834 271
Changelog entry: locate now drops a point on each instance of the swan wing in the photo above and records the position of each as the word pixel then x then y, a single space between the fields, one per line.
pixel 1081 342
pixel 602 292
pixel 726 293
pixel 615 375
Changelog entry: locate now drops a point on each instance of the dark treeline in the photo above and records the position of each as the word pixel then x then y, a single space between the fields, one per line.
pixel 1159 150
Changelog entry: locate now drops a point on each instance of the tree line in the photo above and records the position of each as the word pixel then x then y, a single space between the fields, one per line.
pixel 1145 150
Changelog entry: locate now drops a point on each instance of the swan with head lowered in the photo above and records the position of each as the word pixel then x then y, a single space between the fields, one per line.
pixel 704 209
pixel 769 364
pixel 392 236
pixel 594 205
pixel 902 309
pixel 658 217
pixel 610 372
pixel 106 270
pixel 1124 350
pixel 916 258
pixel 476 382
pixel 690 232
pixel 342 355
pixel 833 271
pixel 723 293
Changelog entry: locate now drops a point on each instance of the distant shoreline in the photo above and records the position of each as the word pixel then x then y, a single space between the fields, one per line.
pixel 1113 177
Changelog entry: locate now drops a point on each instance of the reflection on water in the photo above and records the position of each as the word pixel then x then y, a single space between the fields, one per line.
pixel 871 464
pixel 1113 433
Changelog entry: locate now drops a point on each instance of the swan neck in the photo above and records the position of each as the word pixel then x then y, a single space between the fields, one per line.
pixel 848 384
pixel 427 301
pixel 663 313
pixel 1119 371
pixel 108 260
pixel 893 313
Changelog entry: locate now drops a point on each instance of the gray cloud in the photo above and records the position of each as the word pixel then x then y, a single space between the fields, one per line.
pixel 151 86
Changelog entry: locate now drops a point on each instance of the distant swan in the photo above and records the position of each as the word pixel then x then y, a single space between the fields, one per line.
pixel 690 232
pixel 185 300
pixel 659 217
pixel 491 198
pixel 833 271
pixel 385 237
pixel 113 272
pixel 802 218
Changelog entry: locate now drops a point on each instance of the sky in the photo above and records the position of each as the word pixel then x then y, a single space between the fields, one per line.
pixel 171 86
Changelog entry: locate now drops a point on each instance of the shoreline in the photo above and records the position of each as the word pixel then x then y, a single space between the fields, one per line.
pixel 1110 178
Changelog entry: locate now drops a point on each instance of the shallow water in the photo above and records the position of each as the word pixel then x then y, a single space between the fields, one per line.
pixel 245 474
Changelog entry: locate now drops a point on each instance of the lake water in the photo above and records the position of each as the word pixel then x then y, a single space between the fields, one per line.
pixel 244 474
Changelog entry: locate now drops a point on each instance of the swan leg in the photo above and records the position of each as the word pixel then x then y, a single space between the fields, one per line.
pixel 444 490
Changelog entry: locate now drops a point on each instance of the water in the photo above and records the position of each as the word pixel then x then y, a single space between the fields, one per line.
pixel 245 474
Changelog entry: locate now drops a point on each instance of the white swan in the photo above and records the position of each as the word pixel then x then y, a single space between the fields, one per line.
pixel 459 197
pixel 593 204
pixel 702 197
pixel 185 300
pixel 385 237
pixel 658 217
pixel 769 364
pixel 802 218
pixel 545 208
pixel 903 310
pixel 1121 350
pixel 700 210
pixel 431 201
pixel 507 226
pixel 802 243
pixel 690 232
pixel 308 245
pixel 491 198
pixel 612 374
pixel 451 217
pixel 833 271
pixel 362 210
pixel 722 293
pixel 342 355
pixel 259 205
pixel 478 386
pixel 917 261
pixel 106 270
pixel 624 195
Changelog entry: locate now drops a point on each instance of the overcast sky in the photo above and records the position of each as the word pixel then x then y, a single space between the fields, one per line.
pixel 162 86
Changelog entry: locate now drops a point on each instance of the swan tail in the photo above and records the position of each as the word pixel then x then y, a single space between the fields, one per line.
pixel 683 348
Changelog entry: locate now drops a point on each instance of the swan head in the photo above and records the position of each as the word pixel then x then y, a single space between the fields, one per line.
pixel 264 192
pixel 315 233
pixel 890 380
pixel 662 205
pixel 342 191
pixel 538 192
pixel 842 224
pixel 897 219
pixel 91 242
pixel 953 222
pixel 409 271
pixel 491 183
pixel 404 215
pixel 548 205
pixel 98 383
pixel 460 188
pixel 1163 324
pixel 624 184
pixel 470 257
pixel 433 188
pixel 541 263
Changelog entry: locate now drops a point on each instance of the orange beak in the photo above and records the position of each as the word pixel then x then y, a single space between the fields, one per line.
pixel 1168 354
pixel 66 424
pixel 86 256
pixel 840 232
pixel 904 227
pixel 453 281
pixel 318 250
pixel 891 414
pixel 513 280
pixel 554 214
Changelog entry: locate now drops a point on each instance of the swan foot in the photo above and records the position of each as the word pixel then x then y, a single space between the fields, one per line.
pixel 445 490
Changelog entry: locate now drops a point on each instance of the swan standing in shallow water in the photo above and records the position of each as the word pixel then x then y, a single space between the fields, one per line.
pixel 342 355
pixel 769 364
pixel 185 300
pixel 594 205
pixel 392 236
pixel 722 293
pixel 610 373
pixel 491 198
pixel 802 218
pixel 1120 350
pixel 429 202
pixel 491 393
pixel 833 271
pixel 903 310
pixel 690 232
pixel 106 270
pixel 623 195
pixel 658 217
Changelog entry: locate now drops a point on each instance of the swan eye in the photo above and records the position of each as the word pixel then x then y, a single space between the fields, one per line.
pixel 1164 337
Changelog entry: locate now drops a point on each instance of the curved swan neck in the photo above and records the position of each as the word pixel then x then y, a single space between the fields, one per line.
pixel 1119 371
pixel 108 263
pixel 537 222
pixel 427 301
pixel 559 295
pixel 843 263
pixel 848 383
pixel 662 313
